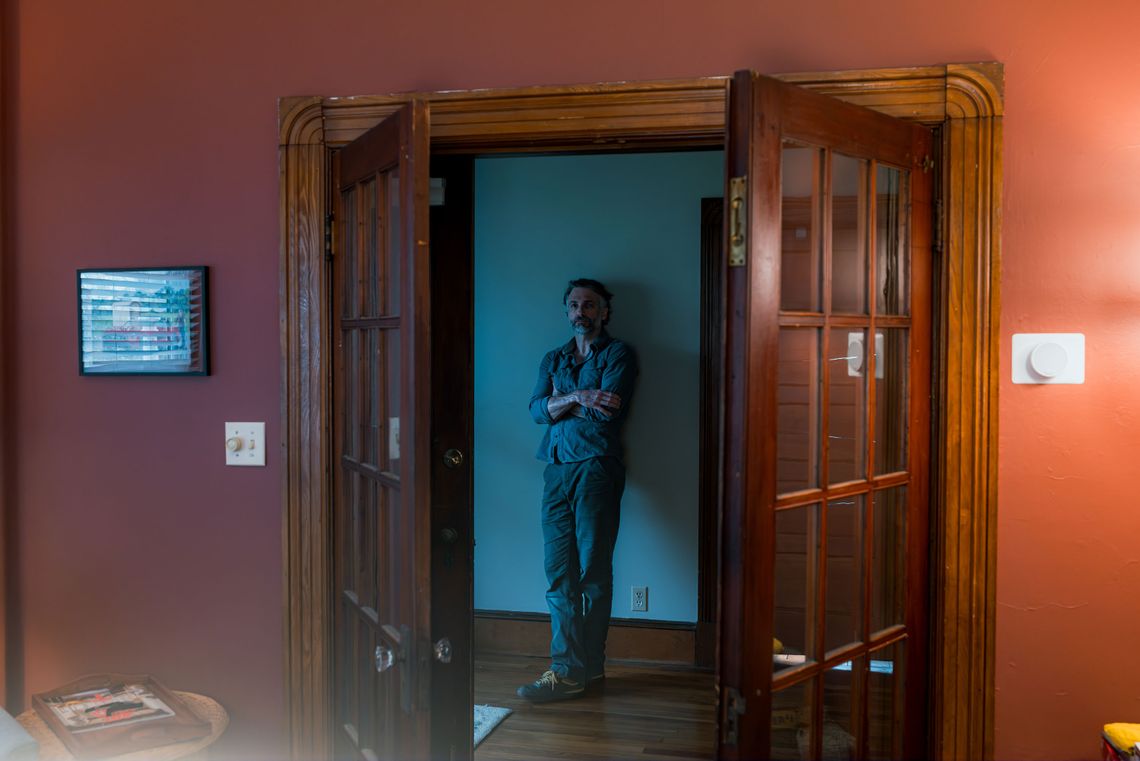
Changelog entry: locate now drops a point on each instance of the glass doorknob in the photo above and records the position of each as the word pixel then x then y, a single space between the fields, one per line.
pixel 385 657
pixel 443 650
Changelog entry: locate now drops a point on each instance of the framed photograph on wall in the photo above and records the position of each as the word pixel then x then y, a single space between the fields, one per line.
pixel 143 321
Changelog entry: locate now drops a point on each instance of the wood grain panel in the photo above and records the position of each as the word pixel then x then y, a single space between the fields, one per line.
pixel 649 713
pixel 965 473
pixel 752 335
pixel 916 94
pixel 547 117
pixel 452 371
pixel 304 411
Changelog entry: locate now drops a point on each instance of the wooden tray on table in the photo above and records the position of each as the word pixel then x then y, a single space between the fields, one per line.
pixel 111 714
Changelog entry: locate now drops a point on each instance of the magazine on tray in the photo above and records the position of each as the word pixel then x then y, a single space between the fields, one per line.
pixel 109 714
pixel 112 706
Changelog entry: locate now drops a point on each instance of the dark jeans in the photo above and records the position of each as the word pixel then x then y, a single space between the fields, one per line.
pixel 581 505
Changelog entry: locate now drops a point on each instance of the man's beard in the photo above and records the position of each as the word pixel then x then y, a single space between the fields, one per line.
pixel 583 326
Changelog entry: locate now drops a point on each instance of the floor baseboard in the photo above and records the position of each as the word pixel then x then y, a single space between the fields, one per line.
pixel 511 633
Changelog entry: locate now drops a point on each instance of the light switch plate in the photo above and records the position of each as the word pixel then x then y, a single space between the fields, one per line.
pixel 245 444
pixel 1048 358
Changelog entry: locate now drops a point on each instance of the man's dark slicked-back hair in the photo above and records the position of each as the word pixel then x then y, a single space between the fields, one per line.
pixel 597 287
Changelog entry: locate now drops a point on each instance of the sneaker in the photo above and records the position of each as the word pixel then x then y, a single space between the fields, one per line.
pixel 550 687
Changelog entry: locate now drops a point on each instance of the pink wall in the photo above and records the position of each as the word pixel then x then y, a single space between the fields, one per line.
pixel 145 134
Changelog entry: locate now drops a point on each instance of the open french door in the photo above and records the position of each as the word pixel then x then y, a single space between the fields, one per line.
pixel 381 379
pixel 823 638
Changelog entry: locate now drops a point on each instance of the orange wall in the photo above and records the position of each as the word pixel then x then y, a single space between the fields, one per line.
pixel 145 134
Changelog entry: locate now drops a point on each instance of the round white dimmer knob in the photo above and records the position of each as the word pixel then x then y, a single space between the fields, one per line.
pixel 1048 359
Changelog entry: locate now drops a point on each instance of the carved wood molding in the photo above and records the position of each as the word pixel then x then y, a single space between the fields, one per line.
pixel 304 410
pixel 965 509
pixel 301 121
pixel 916 93
pixel 965 100
pixel 546 118
pixel 975 90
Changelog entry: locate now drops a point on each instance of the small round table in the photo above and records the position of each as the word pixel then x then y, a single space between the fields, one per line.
pixel 208 709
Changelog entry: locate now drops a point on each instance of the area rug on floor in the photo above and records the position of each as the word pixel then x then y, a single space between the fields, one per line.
pixel 486 719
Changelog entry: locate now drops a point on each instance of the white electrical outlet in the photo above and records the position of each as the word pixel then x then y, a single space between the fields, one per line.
pixel 639 599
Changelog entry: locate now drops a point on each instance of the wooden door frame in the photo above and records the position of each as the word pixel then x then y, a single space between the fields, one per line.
pixel 964 101
pixel 11 655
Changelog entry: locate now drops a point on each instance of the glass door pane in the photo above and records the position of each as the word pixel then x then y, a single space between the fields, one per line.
pixel 798 409
pixel 843 623
pixel 892 265
pixel 801 269
pixel 797 579
pixel 885 702
pixel 892 366
pixel 843 425
pixel 848 234
pixel 847 405
pixel 792 722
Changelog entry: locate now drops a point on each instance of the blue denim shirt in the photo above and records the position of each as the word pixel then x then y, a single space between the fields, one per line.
pixel 611 366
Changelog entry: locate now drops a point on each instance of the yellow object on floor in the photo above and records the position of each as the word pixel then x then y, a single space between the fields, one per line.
pixel 1123 737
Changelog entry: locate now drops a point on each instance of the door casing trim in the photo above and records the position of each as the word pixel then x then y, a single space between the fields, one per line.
pixel 964 100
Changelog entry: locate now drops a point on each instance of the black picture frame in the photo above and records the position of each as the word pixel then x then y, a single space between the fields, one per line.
pixel 143 320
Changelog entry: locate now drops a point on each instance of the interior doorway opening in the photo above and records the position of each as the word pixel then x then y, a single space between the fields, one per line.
pixel 966 98
pixel 639 222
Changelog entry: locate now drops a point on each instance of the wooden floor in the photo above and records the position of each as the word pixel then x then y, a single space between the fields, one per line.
pixel 642 712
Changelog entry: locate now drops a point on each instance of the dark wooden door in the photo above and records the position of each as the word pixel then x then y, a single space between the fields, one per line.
pixel 381 394
pixel 824 570
pixel 452 434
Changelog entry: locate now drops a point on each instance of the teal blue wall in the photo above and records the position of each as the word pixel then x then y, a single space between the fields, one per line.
pixel 632 221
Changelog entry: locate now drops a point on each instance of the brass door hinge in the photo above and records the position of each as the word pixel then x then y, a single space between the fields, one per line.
pixel 329 218
pixel 732 708
pixel 737 222
pixel 927 164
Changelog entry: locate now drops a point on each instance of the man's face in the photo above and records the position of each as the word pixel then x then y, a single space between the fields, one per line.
pixel 586 311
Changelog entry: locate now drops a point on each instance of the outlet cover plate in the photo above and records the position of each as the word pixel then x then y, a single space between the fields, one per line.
pixel 639 599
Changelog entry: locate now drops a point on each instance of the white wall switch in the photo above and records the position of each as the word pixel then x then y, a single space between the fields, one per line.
pixel 1057 358
pixel 245 444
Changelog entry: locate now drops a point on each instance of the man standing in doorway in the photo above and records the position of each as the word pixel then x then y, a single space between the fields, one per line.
pixel 582 396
